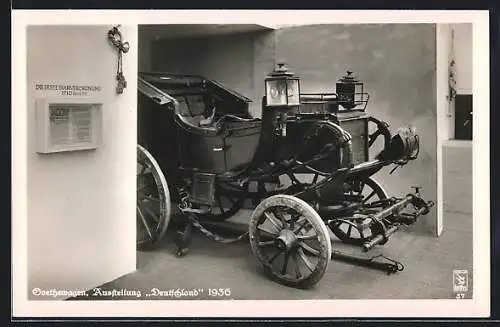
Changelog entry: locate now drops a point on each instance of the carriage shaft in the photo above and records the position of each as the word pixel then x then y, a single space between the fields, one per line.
pixel 393 209
pixel 379 238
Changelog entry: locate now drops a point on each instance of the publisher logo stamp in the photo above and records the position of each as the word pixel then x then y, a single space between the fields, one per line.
pixel 460 281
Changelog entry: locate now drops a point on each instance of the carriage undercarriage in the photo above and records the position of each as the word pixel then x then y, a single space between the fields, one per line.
pixel 290 228
pixel 312 187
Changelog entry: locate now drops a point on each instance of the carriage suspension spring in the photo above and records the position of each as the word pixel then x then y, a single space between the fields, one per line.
pixel 186 208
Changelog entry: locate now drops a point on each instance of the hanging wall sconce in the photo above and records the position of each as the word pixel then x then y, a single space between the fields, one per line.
pixel 115 37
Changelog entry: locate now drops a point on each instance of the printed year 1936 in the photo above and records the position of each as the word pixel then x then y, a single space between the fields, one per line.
pixel 219 292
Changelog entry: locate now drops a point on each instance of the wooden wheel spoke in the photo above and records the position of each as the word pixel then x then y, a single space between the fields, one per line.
pixel 293 220
pixel 361 233
pixel 140 188
pixel 276 212
pixel 295 217
pixel 143 168
pixel 307 237
pixel 144 222
pixel 285 263
pixel 152 198
pixel 152 214
pixel 144 197
pixel 298 273
pixel 265 243
pixel 349 230
pixel 361 188
pixel 368 197
pixel 315 178
pixel 270 261
pixel 306 247
pixel 265 230
pixel 301 226
pixel 304 258
pixel 293 179
pixel 273 221
pixel 219 203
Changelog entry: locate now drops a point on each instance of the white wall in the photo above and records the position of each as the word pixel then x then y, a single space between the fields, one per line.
pixel 444 49
pixel 145 54
pixel 444 117
pixel 462 49
pixel 453 42
pixel 81 205
pixel 228 59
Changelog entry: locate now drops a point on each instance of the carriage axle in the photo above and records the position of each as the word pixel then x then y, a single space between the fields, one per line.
pixel 286 240
pixel 397 218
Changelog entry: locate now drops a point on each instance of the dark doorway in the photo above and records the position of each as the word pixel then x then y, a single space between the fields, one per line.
pixel 463 117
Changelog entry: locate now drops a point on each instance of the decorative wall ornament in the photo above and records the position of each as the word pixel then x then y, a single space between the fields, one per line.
pixel 115 37
pixel 452 81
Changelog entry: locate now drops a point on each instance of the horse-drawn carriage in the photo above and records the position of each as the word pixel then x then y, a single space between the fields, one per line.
pixel 304 167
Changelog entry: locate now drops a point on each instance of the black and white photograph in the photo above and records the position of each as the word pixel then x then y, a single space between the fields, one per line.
pixel 231 162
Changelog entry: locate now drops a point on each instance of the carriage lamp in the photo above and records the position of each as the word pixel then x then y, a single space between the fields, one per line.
pixel 282 93
pixel 350 91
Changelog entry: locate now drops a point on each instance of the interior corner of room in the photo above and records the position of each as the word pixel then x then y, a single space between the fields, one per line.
pixel 455 113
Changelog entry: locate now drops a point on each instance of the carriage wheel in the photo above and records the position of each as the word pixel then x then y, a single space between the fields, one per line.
pixel 290 240
pixel 227 204
pixel 153 201
pixel 293 183
pixel 355 231
pixel 378 130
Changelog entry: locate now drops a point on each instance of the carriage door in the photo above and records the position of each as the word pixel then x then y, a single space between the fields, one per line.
pixel 241 144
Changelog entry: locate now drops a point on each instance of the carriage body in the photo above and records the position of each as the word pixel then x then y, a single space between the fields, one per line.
pixel 215 156
pixel 172 106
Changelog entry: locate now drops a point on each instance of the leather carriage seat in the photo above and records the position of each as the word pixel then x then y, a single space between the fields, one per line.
pixel 192 122
pixel 212 126
pixel 186 114
pixel 234 119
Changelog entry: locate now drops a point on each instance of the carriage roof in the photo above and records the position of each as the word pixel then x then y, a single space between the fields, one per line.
pixel 167 86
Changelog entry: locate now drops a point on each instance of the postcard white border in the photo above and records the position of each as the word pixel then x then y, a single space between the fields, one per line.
pixel 479 306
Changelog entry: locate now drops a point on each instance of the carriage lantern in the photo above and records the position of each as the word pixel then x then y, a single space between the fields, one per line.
pixel 282 93
pixel 350 91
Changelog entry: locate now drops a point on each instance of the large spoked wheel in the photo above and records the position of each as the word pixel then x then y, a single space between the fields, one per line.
pixel 290 240
pixel 379 135
pixel 153 201
pixel 228 201
pixel 356 231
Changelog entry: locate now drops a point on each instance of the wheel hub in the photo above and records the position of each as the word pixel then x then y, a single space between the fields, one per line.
pixel 286 240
